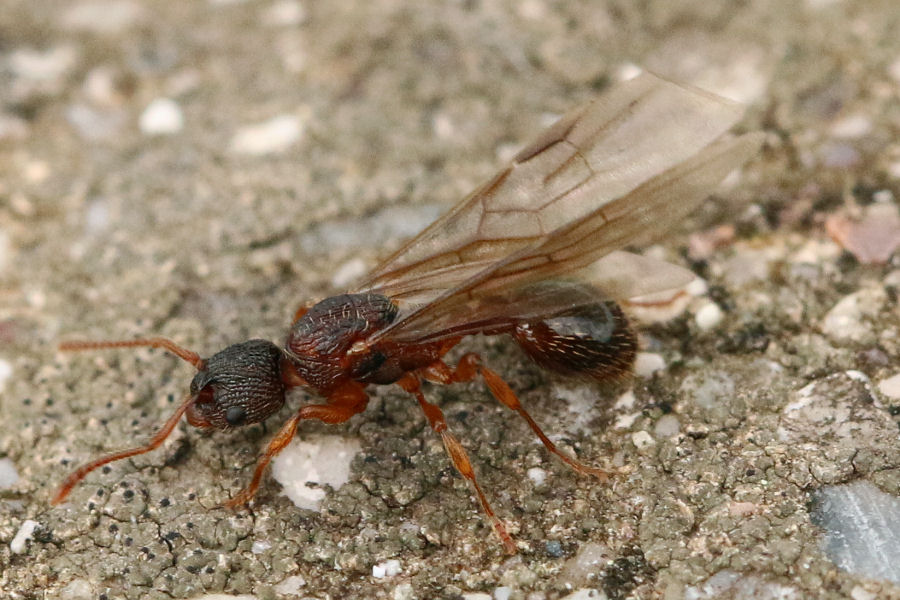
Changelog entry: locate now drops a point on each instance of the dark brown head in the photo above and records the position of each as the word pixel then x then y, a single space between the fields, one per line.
pixel 240 385
pixel 237 386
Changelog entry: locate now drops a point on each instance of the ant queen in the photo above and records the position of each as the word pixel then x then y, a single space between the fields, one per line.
pixel 512 258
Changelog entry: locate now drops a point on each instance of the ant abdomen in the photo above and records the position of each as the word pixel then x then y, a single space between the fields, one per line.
pixel 593 341
pixel 239 385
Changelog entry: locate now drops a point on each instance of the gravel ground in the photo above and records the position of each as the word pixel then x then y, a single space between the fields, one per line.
pixel 200 169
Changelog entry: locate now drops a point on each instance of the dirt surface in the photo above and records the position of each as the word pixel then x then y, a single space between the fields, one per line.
pixel 141 193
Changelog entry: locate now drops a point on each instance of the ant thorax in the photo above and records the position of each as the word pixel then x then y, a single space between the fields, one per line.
pixel 327 343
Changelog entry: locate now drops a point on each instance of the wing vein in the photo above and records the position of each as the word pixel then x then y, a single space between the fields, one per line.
pixel 620 170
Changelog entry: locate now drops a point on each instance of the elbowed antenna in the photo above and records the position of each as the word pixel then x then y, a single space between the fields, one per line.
pixel 154 342
pixel 156 441
pixel 72 480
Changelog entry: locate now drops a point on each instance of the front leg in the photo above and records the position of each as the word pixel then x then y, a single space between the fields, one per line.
pixel 346 401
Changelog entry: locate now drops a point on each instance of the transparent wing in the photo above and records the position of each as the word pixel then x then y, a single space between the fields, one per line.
pixel 595 155
pixel 623 275
pixel 505 291
pixel 617 276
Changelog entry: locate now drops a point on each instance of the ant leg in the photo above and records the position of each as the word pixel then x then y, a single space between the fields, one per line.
pixel 155 442
pixel 343 404
pixel 457 454
pixel 468 367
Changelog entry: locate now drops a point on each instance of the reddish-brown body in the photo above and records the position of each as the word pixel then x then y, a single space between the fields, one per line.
pixel 618 171
pixel 327 344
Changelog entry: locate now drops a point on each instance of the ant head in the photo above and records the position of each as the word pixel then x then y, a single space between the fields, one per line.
pixel 242 384
pixel 239 385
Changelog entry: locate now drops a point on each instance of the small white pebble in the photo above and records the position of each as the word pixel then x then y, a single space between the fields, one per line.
pixel 477 596
pixel 532 10
pixel 582 406
pixel 851 127
pixel 817 4
pixel 697 287
pixel 284 13
pixel 36 171
pixel 77 589
pixel 6 371
pixel 894 169
pixel 883 196
pixel 852 317
pixel 269 137
pixel 96 216
pixel 42 65
pixel 9 476
pixel 860 593
pixel 290 586
pixel 36 298
pixel 625 401
pixel 890 387
pixel 443 126
pixel 537 475
pixel 667 427
pixel 815 252
pixel 388 568
pixel 648 363
pixel 100 87
pixel 627 71
pixel 585 594
pixel 323 459
pixel 709 316
pixel 626 421
pixel 103 17
pixel 502 593
pixel 348 272
pixel 642 440
pixel 857 375
pixel 258 547
pixel 19 544
pixel 163 116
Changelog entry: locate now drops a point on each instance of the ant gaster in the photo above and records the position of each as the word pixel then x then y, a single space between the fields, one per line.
pixel 533 253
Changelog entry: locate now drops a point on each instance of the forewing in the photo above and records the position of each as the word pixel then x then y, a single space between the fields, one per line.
pixel 617 276
pixel 496 293
pixel 593 156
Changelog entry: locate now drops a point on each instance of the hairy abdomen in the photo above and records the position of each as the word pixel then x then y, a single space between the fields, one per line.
pixel 593 341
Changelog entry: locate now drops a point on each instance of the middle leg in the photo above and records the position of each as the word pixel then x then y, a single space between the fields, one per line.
pixel 469 367
pixel 458 456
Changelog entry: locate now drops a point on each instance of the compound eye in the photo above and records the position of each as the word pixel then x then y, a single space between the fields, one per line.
pixel 236 415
